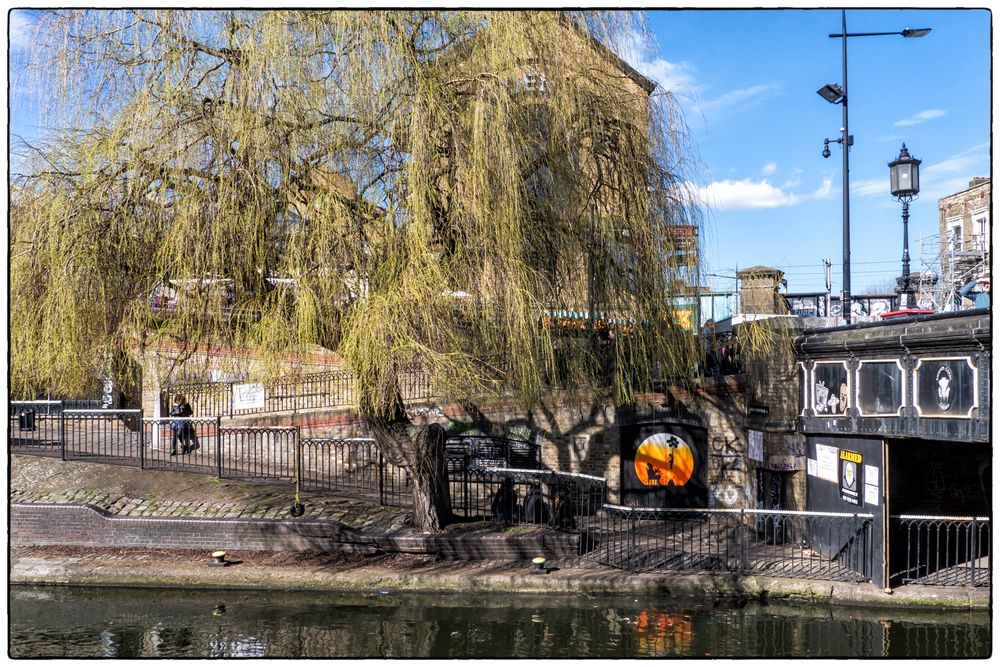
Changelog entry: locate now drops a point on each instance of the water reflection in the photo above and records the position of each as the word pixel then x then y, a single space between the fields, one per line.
pixel 82 622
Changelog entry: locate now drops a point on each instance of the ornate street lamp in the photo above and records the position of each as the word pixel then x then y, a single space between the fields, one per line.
pixel 835 94
pixel 904 185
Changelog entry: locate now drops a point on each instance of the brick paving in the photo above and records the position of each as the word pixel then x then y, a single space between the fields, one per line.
pixel 157 494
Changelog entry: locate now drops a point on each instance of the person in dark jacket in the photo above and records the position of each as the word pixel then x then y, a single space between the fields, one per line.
pixel 535 509
pixel 181 429
pixel 504 505
pixel 563 514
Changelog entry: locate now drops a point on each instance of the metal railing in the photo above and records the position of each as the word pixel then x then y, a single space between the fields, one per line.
pixel 352 465
pixel 327 389
pixel 941 550
pixel 814 545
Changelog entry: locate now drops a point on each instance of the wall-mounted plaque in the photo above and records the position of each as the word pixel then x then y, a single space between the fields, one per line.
pixel 831 395
pixel 945 387
pixel 880 388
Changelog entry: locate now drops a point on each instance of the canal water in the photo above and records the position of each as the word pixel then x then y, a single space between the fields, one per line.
pixel 134 622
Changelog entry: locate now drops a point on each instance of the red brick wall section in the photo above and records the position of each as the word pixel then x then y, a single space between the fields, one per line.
pixel 83 525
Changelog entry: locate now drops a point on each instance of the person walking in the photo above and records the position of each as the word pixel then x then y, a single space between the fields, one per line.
pixel 181 429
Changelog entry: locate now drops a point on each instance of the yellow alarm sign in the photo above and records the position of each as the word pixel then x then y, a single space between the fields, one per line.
pixel 664 459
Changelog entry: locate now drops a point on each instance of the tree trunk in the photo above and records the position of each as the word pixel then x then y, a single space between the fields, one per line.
pixel 420 451
pixel 431 495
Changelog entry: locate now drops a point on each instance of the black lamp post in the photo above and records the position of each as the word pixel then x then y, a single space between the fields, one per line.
pixel 904 184
pixel 834 94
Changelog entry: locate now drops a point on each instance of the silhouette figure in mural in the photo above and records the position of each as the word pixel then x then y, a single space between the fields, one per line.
pixel 652 473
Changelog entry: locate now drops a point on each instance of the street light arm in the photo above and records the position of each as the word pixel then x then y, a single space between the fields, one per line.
pixel 907 32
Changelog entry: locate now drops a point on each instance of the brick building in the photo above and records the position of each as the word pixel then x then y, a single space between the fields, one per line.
pixel 964 227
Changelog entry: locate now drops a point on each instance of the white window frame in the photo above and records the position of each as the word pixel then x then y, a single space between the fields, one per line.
pixel 981 228
pixel 857 388
pixel 812 388
pixel 975 387
pixel 950 238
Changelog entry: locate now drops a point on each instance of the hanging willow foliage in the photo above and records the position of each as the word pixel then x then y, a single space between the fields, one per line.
pixel 397 186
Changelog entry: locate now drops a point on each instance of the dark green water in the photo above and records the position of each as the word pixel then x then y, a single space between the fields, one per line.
pixel 107 622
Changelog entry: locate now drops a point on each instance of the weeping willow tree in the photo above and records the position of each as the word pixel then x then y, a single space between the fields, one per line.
pixel 401 187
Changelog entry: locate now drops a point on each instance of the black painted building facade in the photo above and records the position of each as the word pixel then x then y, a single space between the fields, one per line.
pixel 896 416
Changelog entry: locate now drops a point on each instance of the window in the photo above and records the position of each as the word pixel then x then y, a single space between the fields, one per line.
pixel 534 81
pixel 954 239
pixel 981 230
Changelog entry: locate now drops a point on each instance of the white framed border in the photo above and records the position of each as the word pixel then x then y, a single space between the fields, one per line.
pixel 812 389
pixel 806 390
pixel 902 380
pixel 975 387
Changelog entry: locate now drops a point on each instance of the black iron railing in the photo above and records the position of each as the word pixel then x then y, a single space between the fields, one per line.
pixel 941 550
pixel 353 465
pixel 328 389
pixel 814 545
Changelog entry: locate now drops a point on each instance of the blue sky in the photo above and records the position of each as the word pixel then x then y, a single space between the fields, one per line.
pixel 746 80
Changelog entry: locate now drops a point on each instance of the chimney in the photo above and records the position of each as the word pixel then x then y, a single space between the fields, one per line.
pixel 759 291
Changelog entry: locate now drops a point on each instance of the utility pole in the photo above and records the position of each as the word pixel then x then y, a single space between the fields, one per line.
pixel 827 265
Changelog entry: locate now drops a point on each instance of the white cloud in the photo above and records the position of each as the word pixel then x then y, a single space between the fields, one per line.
pixel 870 187
pixel 675 77
pixel 750 194
pixel 953 174
pixel 769 168
pixel 922 117
pixel 959 162
pixel 21 25
pixel 742 97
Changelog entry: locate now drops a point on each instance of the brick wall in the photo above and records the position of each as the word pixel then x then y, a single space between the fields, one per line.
pixel 83 525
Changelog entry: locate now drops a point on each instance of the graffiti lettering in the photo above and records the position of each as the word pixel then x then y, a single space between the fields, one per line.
pixel 728 462
pixel 796 448
pixel 435 411
pixel 725 446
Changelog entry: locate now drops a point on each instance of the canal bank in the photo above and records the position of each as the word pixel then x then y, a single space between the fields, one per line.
pixel 139 495
pixel 363 573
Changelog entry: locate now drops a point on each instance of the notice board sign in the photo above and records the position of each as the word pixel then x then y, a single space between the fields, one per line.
pixel 850 476
pixel 248 396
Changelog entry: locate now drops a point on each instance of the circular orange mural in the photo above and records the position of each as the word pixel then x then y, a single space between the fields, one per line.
pixel 664 459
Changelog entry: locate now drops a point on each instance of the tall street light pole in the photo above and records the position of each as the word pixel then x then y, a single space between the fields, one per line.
pixel 836 95
pixel 904 185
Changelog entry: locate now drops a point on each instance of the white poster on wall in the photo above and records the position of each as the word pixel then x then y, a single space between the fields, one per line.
pixel 826 463
pixel 811 467
pixel 248 396
pixel 755 445
pixel 871 494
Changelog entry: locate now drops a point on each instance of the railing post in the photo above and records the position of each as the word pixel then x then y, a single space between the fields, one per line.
pixel 229 388
pixel 633 535
pixel 744 543
pixel 465 484
pixel 142 441
pixel 974 555
pixel 298 459
pixel 381 478
pixel 218 447
pixel 62 430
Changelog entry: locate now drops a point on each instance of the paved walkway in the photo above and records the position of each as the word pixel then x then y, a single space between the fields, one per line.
pixel 149 493
pixel 130 492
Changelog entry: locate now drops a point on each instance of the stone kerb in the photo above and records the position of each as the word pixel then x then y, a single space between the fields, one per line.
pixel 87 526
